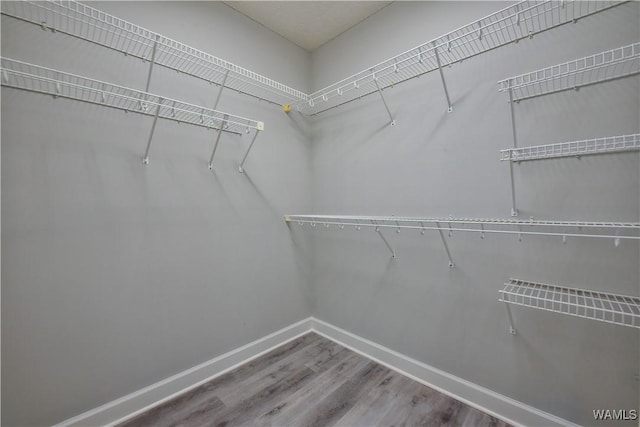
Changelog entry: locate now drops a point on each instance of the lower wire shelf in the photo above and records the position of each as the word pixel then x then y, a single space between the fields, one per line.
pixel 611 308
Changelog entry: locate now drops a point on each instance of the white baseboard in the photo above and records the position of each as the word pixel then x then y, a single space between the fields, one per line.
pixel 139 401
pixel 498 405
pixel 488 401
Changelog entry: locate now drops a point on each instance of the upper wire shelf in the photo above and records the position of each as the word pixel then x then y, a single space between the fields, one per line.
pixel 22 75
pixel 614 230
pixel 611 144
pixel 510 24
pixel 608 65
pixel 82 21
pixel 611 308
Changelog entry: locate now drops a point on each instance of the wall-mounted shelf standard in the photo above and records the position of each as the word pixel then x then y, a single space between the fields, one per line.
pixel 84 22
pixel 605 307
pixel 510 24
pixel 608 65
pixel 562 229
pixel 34 78
pixel 612 144
pixel 604 66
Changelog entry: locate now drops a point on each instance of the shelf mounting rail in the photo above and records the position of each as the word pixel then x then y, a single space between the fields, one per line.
pixel 87 23
pixel 34 78
pixel 616 231
pixel 511 24
pixel 606 307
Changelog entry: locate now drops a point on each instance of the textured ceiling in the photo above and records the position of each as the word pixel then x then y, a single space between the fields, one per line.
pixel 308 24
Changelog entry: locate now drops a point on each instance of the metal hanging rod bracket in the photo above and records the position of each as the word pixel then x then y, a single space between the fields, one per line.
pixel 241 166
pixel 512 330
pixel 224 81
pixel 145 159
pixel 514 209
pixel 444 83
pixel 375 80
pixel 153 61
pixel 444 243
pixel 386 242
pixel 215 146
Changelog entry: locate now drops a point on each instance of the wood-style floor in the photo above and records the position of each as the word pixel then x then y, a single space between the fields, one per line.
pixel 312 381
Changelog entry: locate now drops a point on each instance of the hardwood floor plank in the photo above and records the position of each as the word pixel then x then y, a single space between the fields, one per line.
pixel 413 401
pixel 319 351
pixel 250 408
pixel 370 410
pixel 286 411
pixel 335 405
pixel 312 381
pixel 188 410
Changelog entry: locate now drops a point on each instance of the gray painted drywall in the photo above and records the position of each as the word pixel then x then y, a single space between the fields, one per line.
pixel 437 164
pixel 113 273
pixel 116 275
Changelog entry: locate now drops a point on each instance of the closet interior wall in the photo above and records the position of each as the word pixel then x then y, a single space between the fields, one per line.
pixel 116 275
pixel 436 164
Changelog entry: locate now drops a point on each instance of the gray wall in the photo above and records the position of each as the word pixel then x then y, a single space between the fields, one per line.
pixel 116 275
pixel 435 164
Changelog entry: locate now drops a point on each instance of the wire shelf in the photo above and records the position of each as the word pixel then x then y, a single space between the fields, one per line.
pixel 511 24
pixel 605 307
pixel 84 22
pixel 604 66
pixel 612 230
pixel 611 144
pixel 30 77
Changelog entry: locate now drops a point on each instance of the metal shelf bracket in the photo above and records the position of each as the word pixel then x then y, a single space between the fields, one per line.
pixel 215 145
pixel 512 330
pixel 375 80
pixel 386 242
pixel 446 246
pixel 444 83
pixel 145 159
pixel 240 167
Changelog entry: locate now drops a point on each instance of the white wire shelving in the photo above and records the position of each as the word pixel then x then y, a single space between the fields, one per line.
pixel 505 26
pixel 615 231
pixel 611 144
pixel 606 307
pixel 604 66
pixel 90 24
pixel 34 78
